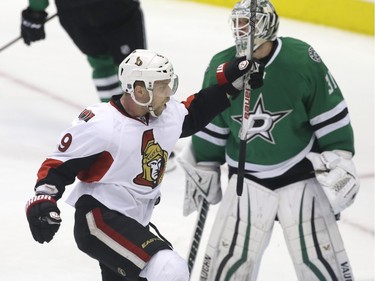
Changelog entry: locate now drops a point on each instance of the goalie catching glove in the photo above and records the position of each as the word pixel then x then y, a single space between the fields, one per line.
pixel 202 181
pixel 43 216
pixel 336 173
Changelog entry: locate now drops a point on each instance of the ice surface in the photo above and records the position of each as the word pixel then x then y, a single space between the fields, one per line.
pixel 42 87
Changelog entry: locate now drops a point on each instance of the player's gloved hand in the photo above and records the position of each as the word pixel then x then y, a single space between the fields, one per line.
pixel 228 73
pixel 202 181
pixel 32 25
pixel 43 216
pixel 336 173
pixel 256 76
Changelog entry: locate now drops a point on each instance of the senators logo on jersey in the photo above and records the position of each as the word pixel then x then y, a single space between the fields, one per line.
pixel 86 115
pixel 154 161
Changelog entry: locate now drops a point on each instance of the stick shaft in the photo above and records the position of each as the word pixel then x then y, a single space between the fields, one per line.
pixel 246 122
pixel 202 216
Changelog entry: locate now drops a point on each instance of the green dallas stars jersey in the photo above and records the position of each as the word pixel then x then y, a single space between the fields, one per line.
pixel 299 109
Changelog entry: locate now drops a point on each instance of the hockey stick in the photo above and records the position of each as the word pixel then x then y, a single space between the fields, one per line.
pixel 19 37
pixel 202 216
pixel 246 122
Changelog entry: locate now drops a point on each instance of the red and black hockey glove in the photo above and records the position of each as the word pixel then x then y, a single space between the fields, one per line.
pixel 32 25
pixel 231 74
pixel 43 216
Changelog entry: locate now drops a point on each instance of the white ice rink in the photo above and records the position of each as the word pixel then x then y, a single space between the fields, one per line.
pixel 44 86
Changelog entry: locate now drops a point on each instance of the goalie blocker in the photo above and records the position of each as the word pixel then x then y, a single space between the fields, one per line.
pixel 202 181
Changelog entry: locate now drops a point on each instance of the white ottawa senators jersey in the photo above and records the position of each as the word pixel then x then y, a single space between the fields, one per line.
pixel 121 160
pixel 131 156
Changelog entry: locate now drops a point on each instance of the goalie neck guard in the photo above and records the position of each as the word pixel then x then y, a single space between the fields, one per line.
pixel 266 27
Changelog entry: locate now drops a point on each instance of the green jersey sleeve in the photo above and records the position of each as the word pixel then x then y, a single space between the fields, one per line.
pixel 325 105
pixel 38 5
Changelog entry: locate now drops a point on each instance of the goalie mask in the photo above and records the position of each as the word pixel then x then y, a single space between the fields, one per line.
pixel 266 27
pixel 147 67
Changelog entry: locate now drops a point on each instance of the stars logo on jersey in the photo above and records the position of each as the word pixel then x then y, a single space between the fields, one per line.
pixel 262 121
pixel 154 161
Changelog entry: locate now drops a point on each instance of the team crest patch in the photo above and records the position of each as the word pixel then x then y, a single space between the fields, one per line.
pixel 154 161
pixel 86 115
pixel 138 61
pixel 314 55
pixel 263 120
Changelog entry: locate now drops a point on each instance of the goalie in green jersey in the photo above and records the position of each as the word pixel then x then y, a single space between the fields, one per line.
pixel 298 164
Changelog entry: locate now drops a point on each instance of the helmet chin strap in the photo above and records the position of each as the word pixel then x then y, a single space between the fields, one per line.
pixel 150 94
pixel 151 110
pixel 148 104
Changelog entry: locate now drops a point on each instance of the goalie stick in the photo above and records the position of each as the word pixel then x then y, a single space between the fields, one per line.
pixel 196 181
pixel 246 122
pixel 202 216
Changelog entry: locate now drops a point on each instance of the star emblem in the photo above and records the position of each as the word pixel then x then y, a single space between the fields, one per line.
pixel 262 121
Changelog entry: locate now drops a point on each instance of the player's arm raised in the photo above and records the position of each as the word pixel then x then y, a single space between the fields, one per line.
pixel 209 102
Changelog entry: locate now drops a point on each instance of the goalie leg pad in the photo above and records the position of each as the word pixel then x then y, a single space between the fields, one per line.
pixel 241 232
pixel 311 233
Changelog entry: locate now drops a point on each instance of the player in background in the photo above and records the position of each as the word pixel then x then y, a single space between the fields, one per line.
pixel 298 169
pixel 118 151
pixel 106 31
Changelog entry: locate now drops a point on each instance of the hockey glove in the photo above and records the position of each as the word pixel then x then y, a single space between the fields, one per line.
pixel 256 74
pixel 43 216
pixel 230 74
pixel 202 181
pixel 32 25
pixel 336 173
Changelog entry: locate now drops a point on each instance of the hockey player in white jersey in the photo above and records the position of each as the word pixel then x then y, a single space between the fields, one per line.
pixel 298 162
pixel 118 151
